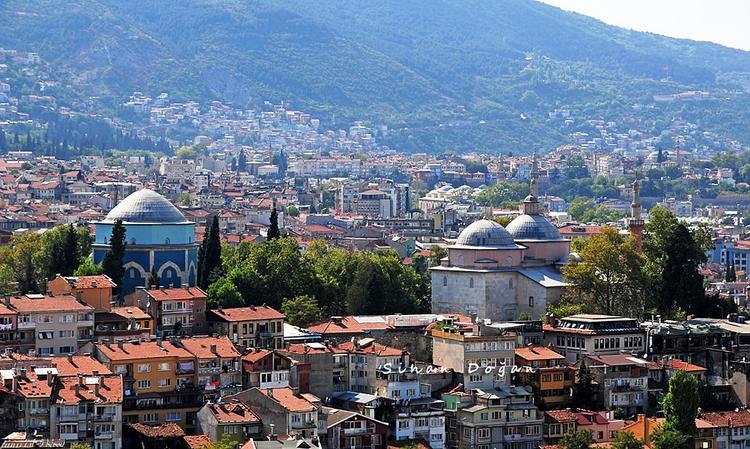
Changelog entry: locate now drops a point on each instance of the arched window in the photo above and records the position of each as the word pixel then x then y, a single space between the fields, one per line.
pixel 132 241
pixel 471 282
pixel 461 260
pixel 510 283
pixel 445 281
pixel 167 241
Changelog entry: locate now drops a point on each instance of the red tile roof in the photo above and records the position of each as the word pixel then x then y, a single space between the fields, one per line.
pixel 110 389
pixel 176 294
pixel 561 415
pixel 201 347
pixel 131 312
pixel 233 412
pixel 197 441
pixel 256 355
pixel 64 303
pixel 347 325
pixel 288 399
pixel 142 350
pixel 739 418
pixel 372 348
pixel 538 353
pixel 84 282
pixel 251 313
pixel 168 430
pixel 78 364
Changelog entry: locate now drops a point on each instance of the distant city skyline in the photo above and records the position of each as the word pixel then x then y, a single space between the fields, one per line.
pixel 721 21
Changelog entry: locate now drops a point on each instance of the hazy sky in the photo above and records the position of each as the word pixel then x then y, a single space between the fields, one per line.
pixel 726 22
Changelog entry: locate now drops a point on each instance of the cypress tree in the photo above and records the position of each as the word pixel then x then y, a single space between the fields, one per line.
pixel 202 259
pixel 682 282
pixel 153 279
pixel 70 250
pixel 113 262
pixel 3 142
pixel 681 404
pixel 273 229
pixel 242 162
pixel 583 390
pixel 212 254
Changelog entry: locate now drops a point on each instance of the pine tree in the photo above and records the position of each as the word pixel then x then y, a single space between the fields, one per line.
pixel 113 262
pixel 273 229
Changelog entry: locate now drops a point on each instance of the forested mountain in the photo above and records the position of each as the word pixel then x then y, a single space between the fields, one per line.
pixel 466 74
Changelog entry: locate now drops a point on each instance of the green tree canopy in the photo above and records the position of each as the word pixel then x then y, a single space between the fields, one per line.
pixel 301 310
pixel 610 279
pixel 626 440
pixel 576 439
pixel 680 404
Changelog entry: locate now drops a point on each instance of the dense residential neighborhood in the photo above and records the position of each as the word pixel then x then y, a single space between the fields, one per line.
pixel 192 274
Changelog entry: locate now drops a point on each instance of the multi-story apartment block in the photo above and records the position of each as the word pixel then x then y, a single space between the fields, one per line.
pixel 580 335
pixel 352 430
pixel 483 355
pixel 217 365
pixel 175 310
pixel 548 377
pixel 283 411
pixel 249 327
pixel 266 369
pixel 503 417
pixel 365 359
pixel 88 409
pixel 232 418
pixel 328 370
pixel 159 381
pixel 52 324
pixel 622 381
pixel 95 291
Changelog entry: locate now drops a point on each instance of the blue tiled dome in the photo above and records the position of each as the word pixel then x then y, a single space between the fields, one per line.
pixel 533 227
pixel 145 206
pixel 484 233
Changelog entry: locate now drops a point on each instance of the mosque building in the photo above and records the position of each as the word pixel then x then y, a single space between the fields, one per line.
pixel 503 273
pixel 158 236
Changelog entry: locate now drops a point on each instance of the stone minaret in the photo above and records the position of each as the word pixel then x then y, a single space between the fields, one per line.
pixel 635 222
pixel 531 202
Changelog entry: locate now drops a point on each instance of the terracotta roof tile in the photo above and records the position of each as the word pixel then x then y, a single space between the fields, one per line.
pixel 197 441
pixel 201 347
pixel 168 430
pixel 78 364
pixel 256 355
pixel 176 294
pixel 24 304
pixel 233 412
pixel 739 418
pixel 109 391
pixel 131 312
pixel 538 353
pixel 288 399
pixel 96 281
pixel 251 313
pixel 372 348
pixel 348 325
pixel 142 350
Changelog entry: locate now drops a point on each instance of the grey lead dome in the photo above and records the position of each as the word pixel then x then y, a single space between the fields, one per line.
pixel 532 227
pixel 485 233
pixel 145 206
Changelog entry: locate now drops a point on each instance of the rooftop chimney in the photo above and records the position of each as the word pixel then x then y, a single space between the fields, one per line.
pixel 96 389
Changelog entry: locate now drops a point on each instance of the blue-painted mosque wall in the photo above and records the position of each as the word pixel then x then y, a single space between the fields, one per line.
pixel 169 259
